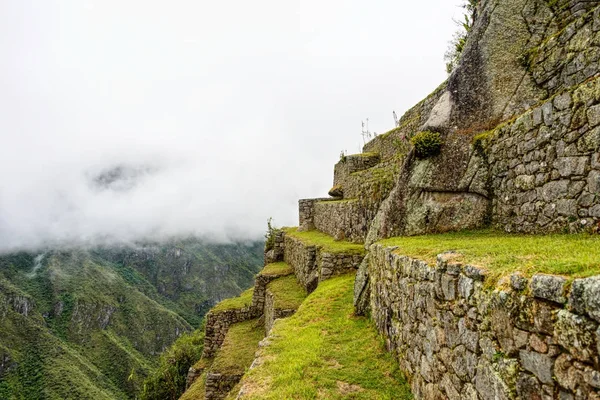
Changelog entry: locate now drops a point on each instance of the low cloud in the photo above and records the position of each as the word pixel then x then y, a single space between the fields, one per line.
pixel 122 121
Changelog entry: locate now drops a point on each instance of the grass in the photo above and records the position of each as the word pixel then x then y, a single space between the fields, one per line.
pixel 238 349
pixel 279 268
pixel 243 300
pixel 324 351
pixel 338 201
pixel 325 242
pixel 501 253
pixel 287 293
pixel 197 390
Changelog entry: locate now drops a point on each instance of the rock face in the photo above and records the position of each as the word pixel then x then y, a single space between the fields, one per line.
pixel 458 340
pixel 520 122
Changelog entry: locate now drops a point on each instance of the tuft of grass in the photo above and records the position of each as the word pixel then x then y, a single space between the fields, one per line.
pixel 287 293
pixel 324 351
pixel 325 242
pixel 338 201
pixel 243 300
pixel 572 255
pixel 238 349
pixel 279 268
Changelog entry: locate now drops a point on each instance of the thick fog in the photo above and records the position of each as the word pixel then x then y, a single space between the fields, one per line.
pixel 130 119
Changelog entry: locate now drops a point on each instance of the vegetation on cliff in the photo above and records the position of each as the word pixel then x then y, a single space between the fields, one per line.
pixel 168 381
pixel 91 324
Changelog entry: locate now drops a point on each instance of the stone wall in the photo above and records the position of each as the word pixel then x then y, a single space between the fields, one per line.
pixel 306 211
pixel 344 220
pixel 571 56
pixel 218 323
pixel 275 254
pixel 303 259
pixel 545 166
pixel 333 264
pixel 353 163
pixel 537 339
pixel 272 312
pixel 312 265
pixel 260 290
pixel 218 386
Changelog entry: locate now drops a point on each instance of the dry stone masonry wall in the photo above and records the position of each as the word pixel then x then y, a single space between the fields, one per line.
pixel 218 323
pixel 312 265
pixel 545 167
pixel 344 220
pixel 218 386
pixel 272 312
pixel 456 339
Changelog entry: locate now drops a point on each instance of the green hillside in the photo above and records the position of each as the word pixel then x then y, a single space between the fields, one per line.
pixel 91 323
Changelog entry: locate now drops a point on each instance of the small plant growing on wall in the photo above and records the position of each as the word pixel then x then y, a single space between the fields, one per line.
pixel 270 235
pixel 427 144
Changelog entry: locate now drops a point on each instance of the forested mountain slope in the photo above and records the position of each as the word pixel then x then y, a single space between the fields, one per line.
pixel 82 324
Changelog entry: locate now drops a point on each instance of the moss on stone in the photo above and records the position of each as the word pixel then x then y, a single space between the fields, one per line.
pixel 243 300
pixel 327 243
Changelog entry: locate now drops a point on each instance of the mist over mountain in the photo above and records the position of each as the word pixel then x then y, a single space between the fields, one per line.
pixel 142 120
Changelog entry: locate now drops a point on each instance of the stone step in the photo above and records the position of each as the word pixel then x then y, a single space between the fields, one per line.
pixel 233 358
pixel 223 315
pixel 283 297
pixel 315 256
pixel 269 273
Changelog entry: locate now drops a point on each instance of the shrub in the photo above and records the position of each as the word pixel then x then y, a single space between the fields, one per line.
pixel 336 191
pixel 427 144
pixel 169 379
pixel 270 235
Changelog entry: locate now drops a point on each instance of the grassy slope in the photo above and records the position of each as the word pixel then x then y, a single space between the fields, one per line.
pixel 503 253
pixel 325 352
pixel 241 301
pixel 287 293
pixel 325 242
pixel 237 352
pixel 279 268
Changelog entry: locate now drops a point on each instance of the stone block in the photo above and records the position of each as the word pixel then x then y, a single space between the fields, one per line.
pixel 593 115
pixel 549 287
pixel 539 364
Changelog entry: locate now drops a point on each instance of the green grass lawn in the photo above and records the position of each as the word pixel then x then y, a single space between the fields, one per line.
pixel 237 352
pixel 279 268
pixel 287 293
pixel 243 300
pixel 325 352
pixel 325 242
pixel 502 253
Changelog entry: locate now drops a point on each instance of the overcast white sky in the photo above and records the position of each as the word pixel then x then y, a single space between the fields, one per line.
pixel 236 108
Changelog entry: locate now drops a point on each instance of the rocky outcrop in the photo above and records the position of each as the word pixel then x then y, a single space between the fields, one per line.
pixel 459 340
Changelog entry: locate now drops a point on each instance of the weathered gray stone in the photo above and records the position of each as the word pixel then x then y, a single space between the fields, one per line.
pixel 568 166
pixel 549 287
pixel 585 297
pixel 538 364
pixel 518 282
pixel 576 334
pixel 555 190
pixel 594 182
pixel 593 115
